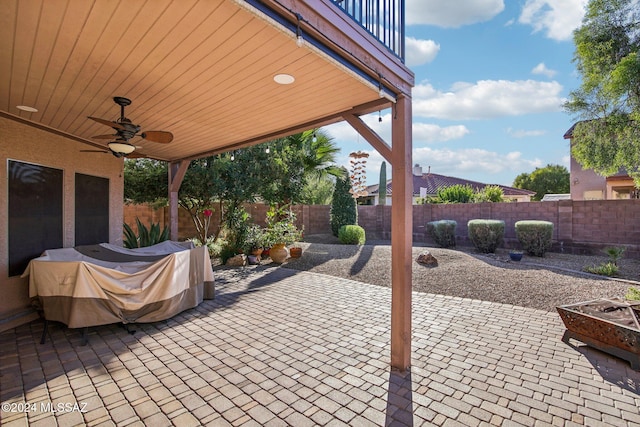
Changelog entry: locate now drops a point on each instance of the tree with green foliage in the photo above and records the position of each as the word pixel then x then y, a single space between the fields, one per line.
pixel 551 179
pixel 382 186
pixel 344 210
pixel 607 104
pixel 277 175
pixel 318 190
pixel 145 181
pixel 490 193
pixel 457 193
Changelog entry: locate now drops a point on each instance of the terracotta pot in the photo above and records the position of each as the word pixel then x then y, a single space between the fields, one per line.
pixel 278 253
pixel 257 252
pixel 295 252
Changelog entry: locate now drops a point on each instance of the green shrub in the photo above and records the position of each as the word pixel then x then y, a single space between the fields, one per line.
pixel 146 236
pixel 351 235
pixel 486 234
pixel 535 236
pixel 455 194
pixel 490 193
pixel 604 269
pixel 344 210
pixel 227 251
pixel 443 232
pixel 214 246
pixel 633 294
pixel 615 254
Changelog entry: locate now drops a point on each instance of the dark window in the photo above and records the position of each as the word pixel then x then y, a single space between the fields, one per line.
pixel 35 212
pixel 92 210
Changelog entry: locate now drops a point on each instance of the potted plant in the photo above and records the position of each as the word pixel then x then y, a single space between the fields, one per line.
pixel 280 232
pixel 254 240
pixel 515 255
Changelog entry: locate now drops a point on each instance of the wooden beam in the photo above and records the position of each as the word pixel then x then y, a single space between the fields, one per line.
pixel 358 110
pixel 399 156
pixel 372 138
pixel 401 235
pixel 176 175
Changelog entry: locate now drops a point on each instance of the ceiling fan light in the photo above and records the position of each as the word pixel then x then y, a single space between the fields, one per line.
pixel 121 147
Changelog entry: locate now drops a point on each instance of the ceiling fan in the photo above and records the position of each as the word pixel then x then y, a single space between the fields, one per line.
pixel 125 130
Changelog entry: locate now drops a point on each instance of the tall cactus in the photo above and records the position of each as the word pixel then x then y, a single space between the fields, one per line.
pixel 382 187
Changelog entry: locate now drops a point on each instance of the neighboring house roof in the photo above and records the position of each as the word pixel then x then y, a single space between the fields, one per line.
pixel 432 182
pixel 555 197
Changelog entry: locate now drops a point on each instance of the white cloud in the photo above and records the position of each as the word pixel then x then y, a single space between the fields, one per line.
pixel 461 163
pixel 487 99
pixel 423 133
pixel 450 14
pixel 541 68
pixel 556 18
pixel 420 52
pixel 426 132
pixel 468 163
pixel 521 133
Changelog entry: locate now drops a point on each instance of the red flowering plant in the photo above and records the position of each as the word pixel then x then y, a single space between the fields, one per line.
pixel 202 220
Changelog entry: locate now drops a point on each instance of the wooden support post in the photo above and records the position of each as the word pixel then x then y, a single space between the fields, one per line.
pixel 399 155
pixel 176 175
pixel 401 234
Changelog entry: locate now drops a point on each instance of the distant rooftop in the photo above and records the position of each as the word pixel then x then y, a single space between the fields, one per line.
pixel 431 182
pixel 555 197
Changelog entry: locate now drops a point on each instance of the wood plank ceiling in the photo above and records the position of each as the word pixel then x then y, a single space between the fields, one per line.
pixel 203 70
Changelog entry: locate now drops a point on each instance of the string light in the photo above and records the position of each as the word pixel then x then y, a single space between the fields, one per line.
pixel 380 87
pixel 233 157
pixel 315 137
pixel 299 39
pixel 266 150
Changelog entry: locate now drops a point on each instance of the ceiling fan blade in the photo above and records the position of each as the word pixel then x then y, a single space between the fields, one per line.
pixel 105 136
pixel 158 136
pixel 136 155
pixel 109 123
pixel 93 151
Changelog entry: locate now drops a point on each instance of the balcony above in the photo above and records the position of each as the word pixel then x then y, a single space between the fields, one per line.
pixel 384 19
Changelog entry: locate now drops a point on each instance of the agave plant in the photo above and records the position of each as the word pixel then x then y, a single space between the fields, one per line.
pixel 146 236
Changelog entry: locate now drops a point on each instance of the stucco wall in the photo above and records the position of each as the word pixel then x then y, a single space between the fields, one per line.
pixel 24 143
pixel 586 181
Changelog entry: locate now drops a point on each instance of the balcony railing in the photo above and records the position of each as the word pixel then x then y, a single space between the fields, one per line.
pixel 384 19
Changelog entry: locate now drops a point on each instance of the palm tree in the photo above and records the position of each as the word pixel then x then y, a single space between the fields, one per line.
pixel 319 154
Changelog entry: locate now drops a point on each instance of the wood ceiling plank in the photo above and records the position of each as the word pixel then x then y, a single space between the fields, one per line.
pixel 27 17
pixel 93 46
pixel 70 26
pixel 8 13
pixel 46 37
pixel 133 73
pixel 188 77
pixel 119 40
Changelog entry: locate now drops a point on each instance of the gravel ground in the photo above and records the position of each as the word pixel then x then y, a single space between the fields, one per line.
pixel 541 283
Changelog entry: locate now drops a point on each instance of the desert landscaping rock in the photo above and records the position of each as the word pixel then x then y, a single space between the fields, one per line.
pixel 541 283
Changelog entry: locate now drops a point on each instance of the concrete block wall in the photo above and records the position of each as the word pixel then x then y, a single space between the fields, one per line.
pixel 579 226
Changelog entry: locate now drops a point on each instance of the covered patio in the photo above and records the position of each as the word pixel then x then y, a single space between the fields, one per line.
pixel 281 347
pixel 219 75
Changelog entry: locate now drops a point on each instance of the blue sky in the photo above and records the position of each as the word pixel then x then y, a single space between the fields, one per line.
pixel 491 78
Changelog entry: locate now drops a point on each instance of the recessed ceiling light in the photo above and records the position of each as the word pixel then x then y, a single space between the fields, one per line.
pixel 27 108
pixel 284 79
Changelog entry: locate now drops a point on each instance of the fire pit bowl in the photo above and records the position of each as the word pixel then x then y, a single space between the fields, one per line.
pixel 609 325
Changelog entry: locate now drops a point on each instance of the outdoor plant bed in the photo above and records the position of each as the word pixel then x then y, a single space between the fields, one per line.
pixel 609 325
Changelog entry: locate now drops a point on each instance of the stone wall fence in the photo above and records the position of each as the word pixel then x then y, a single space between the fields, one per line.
pixel 580 227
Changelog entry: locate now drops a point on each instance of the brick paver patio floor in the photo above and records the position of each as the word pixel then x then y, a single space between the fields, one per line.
pixel 280 347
